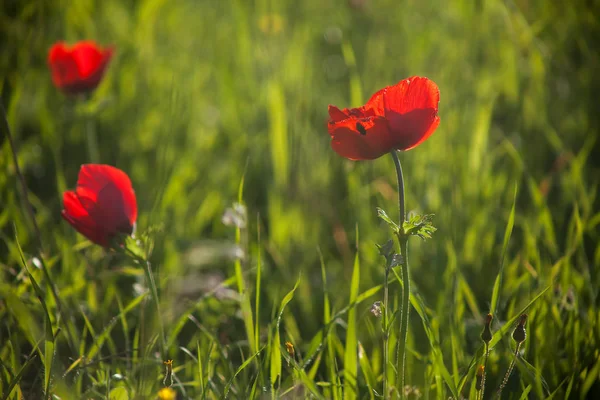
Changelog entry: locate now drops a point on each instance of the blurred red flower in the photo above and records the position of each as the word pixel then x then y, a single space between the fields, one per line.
pixel 78 69
pixel 398 117
pixel 103 204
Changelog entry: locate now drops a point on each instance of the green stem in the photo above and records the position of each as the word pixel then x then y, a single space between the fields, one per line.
pixel 157 304
pixel 92 140
pixel 403 241
pixel 154 292
pixel 386 330
pixel 401 207
pixel 485 360
pixel 509 372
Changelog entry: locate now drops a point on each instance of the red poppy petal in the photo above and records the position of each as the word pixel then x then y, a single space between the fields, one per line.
pixel 421 134
pixel 376 103
pixel 80 68
pixel 63 67
pixel 58 51
pixel 367 139
pixel 411 108
pixel 107 186
pixel 91 60
pixel 72 205
pixel 335 114
pixel 76 215
pixel 410 94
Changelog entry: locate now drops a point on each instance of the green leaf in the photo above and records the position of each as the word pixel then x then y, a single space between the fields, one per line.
pixel 387 249
pixel 420 225
pixel 436 352
pixel 118 393
pixel 382 214
pixel 240 369
pixel 48 334
pixel 351 351
pixel 507 234
pixel 17 377
pixel 365 367
pixel 508 325
pixel 99 340
pixel 275 371
pixel 525 394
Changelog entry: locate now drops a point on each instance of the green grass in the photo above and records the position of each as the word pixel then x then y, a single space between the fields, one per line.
pixel 203 95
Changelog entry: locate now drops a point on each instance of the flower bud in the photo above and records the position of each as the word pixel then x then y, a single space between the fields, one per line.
pixel 519 334
pixel 486 334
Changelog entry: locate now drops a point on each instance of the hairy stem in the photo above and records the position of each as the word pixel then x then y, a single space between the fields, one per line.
pixel 485 360
pixel 403 241
pixel 386 331
pixel 509 371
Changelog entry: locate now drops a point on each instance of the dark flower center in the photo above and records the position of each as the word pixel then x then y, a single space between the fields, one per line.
pixel 361 128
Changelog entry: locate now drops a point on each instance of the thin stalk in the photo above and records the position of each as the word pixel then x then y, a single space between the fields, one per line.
pixel 403 241
pixel 485 360
pixel 154 292
pixel 510 368
pixel 386 330
pixel 401 206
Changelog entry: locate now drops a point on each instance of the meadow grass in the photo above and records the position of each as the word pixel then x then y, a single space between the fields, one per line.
pixel 217 105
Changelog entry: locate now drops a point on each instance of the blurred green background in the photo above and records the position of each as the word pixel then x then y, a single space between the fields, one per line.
pixel 203 94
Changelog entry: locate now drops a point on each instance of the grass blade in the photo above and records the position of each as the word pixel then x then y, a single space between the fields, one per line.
pixel 351 351
pixel 507 234
pixel 48 334
pixel 275 368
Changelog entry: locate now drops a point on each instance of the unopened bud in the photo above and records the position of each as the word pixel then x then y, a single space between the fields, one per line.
pixel 479 377
pixel 519 334
pixel 486 334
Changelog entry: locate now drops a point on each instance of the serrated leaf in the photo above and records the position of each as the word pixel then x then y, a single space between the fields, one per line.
pixel 386 249
pixel 383 215
pixel 420 225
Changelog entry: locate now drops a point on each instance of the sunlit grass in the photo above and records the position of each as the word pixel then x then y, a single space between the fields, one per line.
pixel 200 97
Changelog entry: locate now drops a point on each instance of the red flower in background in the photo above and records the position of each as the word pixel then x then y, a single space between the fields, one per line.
pixel 78 69
pixel 397 117
pixel 103 204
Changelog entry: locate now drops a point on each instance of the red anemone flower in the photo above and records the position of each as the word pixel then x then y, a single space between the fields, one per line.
pixel 103 204
pixel 78 69
pixel 397 117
